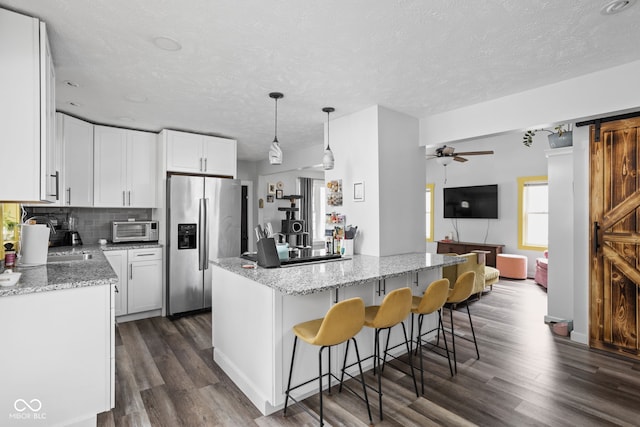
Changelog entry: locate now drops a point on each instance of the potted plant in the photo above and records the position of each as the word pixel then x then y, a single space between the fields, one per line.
pixel 560 136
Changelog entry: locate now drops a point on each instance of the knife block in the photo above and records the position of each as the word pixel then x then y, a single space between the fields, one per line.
pixel 267 253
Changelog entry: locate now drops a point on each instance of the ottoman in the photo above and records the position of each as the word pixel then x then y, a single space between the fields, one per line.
pixel 512 266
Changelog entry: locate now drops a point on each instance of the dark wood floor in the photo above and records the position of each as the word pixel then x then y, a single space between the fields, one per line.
pixel 165 376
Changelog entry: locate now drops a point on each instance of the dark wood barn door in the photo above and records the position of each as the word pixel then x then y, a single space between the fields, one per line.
pixel 615 237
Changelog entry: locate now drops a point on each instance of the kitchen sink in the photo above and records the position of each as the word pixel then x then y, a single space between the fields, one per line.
pixel 69 257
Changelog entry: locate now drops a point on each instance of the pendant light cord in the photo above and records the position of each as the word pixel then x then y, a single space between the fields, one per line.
pixel 275 137
pixel 328 133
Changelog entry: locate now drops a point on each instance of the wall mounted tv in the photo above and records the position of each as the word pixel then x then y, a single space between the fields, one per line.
pixel 479 201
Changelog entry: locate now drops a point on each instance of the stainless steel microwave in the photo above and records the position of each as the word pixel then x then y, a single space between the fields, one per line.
pixel 134 231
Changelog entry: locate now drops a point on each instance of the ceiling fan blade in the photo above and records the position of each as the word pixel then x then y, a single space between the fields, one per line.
pixel 475 153
pixel 459 159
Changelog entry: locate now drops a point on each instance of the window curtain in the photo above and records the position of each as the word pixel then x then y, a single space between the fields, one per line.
pixel 306 208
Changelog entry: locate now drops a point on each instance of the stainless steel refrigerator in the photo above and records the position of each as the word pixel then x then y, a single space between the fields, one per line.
pixel 203 223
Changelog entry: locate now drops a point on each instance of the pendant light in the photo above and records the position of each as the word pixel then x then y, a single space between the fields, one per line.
pixel 328 160
pixel 275 153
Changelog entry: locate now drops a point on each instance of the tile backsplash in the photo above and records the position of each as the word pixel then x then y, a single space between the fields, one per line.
pixel 91 223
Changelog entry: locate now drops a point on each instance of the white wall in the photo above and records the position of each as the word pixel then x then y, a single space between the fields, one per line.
pixel 510 161
pixel 401 168
pixel 354 142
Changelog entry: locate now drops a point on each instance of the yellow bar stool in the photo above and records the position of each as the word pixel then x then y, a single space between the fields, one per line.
pixel 461 291
pixel 395 307
pixel 431 301
pixel 342 323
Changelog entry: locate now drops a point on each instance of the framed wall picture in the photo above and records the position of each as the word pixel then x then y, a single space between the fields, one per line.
pixel 279 194
pixel 270 198
pixel 271 188
pixel 358 191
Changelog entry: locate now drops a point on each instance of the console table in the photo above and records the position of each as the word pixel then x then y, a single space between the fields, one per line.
pixel 466 247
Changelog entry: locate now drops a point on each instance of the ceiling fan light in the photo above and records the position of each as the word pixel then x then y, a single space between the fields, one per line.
pixel 444 161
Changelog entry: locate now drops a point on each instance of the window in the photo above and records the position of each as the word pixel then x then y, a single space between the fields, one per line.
pixel 429 211
pixel 533 212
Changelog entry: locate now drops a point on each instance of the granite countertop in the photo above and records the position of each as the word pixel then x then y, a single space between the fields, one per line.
pixel 358 269
pixel 70 274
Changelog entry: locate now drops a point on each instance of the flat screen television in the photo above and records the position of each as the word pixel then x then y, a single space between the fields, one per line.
pixel 479 201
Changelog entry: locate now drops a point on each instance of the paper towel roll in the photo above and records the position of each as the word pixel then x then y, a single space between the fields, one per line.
pixel 35 244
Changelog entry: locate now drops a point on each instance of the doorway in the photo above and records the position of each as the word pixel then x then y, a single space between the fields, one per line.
pixel 244 223
pixel 615 237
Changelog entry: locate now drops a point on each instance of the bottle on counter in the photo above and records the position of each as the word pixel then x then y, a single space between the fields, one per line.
pixel 9 256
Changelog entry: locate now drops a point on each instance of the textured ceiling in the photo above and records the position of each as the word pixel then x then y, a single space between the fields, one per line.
pixel 417 57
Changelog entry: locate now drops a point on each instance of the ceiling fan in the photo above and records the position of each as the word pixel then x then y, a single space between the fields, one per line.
pixel 444 155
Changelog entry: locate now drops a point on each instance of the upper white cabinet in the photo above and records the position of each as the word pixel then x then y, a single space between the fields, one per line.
pixel 200 154
pixel 26 85
pixel 124 168
pixel 76 139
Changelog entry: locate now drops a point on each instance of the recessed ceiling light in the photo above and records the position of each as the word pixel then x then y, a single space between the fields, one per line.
pixel 167 43
pixel 70 83
pixel 136 97
pixel 74 104
pixel 616 6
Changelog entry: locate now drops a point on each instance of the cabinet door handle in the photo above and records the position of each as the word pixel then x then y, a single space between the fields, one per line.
pixel 129 195
pixel 117 291
pixel 57 177
pixel 205 165
pixel 69 196
pixel 130 272
pixel 123 199
pixel 151 254
pixel 201 170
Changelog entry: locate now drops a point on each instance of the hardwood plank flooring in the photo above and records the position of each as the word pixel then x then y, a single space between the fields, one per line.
pixel 526 376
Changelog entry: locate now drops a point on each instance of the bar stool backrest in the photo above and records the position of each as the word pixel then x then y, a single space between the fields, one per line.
pixel 462 288
pixel 434 297
pixel 342 322
pixel 395 307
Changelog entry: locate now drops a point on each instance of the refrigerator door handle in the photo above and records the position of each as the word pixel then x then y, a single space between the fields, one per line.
pixel 201 233
pixel 205 238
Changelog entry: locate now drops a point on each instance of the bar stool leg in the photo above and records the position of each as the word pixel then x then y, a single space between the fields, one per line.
pixel 320 382
pixel 364 386
pixel 453 341
pixel 473 332
pixel 446 347
pixel 413 374
pixel 293 355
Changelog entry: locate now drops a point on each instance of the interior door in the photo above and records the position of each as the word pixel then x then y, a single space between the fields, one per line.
pixel 615 237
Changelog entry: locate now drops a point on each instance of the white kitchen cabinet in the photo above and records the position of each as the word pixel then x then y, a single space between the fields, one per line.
pixel 144 291
pixel 50 176
pixel 140 274
pixel 26 77
pixel 76 139
pixel 57 348
pixel 200 154
pixel 124 168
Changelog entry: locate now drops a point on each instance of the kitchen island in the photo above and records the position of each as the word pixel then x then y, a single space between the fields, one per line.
pixel 254 310
pixel 57 336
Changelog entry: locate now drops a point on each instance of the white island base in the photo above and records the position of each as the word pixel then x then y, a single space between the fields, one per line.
pixel 252 336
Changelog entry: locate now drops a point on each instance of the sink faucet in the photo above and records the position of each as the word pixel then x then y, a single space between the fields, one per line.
pixel 43 218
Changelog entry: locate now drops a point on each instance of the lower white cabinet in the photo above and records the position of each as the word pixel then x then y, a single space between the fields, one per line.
pixel 140 274
pixel 56 362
